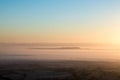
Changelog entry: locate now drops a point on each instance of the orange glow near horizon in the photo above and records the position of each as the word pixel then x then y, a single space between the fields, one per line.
pixel 90 22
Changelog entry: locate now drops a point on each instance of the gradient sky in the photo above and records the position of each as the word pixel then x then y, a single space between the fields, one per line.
pixel 67 21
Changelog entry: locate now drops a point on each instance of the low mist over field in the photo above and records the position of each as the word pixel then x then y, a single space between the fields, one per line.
pixel 59 40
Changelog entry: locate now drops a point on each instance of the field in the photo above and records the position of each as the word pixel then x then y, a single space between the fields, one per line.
pixel 59 70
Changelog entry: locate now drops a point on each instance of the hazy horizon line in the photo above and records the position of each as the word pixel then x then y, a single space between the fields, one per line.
pixel 90 43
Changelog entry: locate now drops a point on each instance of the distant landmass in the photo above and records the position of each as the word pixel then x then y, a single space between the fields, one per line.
pixel 58 48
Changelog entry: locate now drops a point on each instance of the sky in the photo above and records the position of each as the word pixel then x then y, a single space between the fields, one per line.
pixel 60 21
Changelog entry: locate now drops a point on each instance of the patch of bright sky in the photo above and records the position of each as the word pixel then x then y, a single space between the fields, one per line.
pixel 61 18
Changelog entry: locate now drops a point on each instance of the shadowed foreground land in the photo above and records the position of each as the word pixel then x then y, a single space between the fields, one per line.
pixel 59 70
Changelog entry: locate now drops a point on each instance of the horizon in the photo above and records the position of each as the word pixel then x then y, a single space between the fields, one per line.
pixel 59 39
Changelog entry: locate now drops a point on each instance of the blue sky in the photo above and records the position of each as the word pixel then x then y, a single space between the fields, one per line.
pixel 61 20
